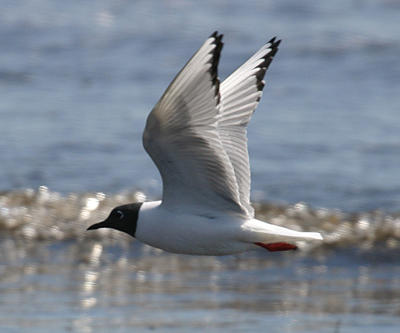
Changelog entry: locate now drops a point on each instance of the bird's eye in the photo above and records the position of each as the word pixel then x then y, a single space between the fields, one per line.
pixel 120 214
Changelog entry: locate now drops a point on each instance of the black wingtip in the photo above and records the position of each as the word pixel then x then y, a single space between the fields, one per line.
pixel 267 61
pixel 214 34
pixel 215 60
pixel 271 54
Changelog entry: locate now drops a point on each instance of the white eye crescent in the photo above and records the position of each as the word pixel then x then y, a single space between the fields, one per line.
pixel 121 214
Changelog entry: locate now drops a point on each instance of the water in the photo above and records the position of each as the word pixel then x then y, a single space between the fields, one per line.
pixel 77 80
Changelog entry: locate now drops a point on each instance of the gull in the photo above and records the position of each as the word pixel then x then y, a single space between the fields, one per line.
pixel 197 137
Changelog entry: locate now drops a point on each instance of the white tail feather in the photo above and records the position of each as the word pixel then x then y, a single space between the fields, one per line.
pixel 259 231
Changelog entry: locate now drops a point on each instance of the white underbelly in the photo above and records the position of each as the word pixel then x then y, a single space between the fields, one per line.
pixel 190 234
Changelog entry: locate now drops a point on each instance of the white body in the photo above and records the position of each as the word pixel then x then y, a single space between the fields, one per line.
pixel 220 235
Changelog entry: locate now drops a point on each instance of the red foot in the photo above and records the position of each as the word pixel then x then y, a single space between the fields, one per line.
pixel 281 246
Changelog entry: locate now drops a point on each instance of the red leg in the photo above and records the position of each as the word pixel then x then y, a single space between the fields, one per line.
pixel 280 246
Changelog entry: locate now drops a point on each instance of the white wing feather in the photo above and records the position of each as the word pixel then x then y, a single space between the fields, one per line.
pixel 240 94
pixel 182 138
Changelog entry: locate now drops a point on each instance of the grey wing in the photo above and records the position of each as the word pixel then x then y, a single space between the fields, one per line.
pixel 182 138
pixel 240 94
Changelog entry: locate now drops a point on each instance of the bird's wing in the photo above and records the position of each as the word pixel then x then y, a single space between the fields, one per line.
pixel 240 94
pixel 182 138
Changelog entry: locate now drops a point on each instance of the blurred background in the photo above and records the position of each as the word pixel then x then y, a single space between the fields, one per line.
pixel 77 81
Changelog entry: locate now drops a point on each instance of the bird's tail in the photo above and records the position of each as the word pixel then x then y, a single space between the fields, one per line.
pixel 276 238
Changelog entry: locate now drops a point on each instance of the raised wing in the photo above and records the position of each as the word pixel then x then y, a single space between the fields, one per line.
pixel 182 138
pixel 240 94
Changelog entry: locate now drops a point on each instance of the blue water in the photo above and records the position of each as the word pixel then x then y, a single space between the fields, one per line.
pixel 79 78
pixel 77 81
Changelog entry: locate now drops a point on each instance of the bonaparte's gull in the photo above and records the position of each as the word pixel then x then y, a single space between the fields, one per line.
pixel 196 136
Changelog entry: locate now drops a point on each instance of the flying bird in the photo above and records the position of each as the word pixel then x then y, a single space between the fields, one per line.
pixel 196 135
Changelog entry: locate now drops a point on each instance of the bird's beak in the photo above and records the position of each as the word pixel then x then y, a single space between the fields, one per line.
pixel 103 224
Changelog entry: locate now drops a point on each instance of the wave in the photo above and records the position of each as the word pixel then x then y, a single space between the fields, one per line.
pixel 45 215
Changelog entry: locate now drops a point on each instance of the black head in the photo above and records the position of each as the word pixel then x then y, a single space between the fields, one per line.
pixel 123 218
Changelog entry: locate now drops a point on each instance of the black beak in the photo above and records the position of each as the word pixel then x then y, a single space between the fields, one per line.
pixel 103 224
